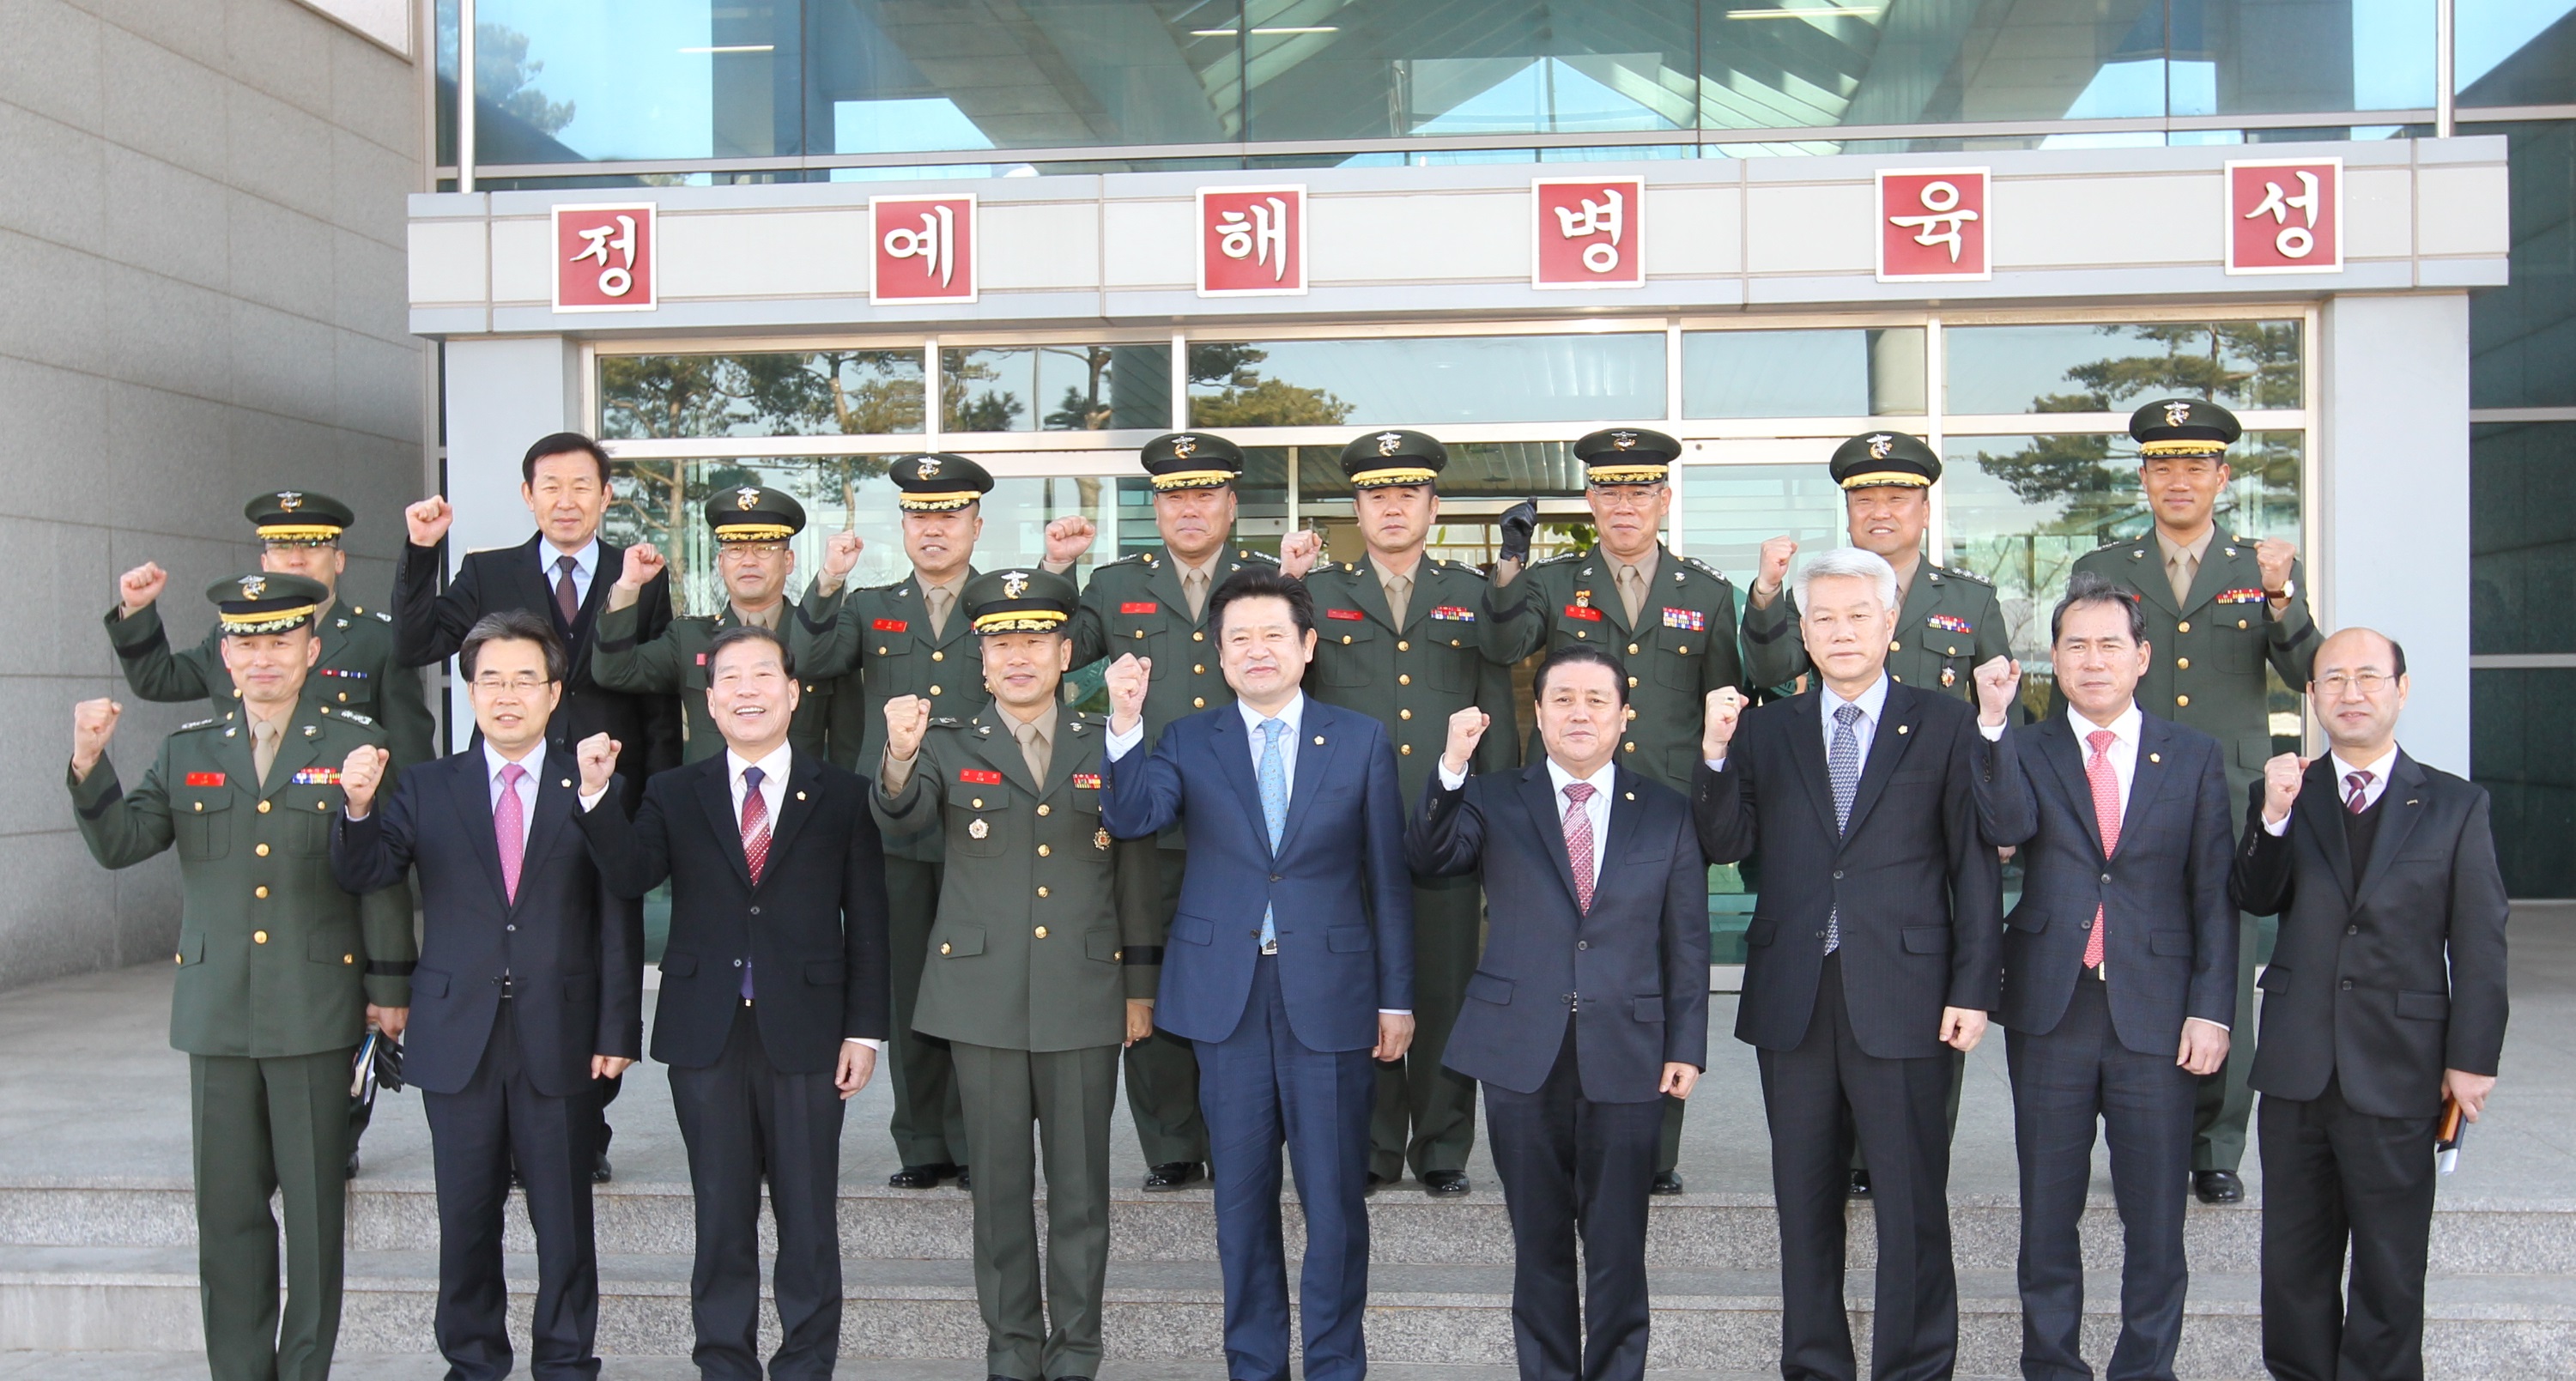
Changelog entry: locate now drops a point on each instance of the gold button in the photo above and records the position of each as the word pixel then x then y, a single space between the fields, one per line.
pixel 1404 714
pixel 1042 892
pixel 1117 954
pixel 2183 627
pixel 1198 702
pixel 1346 640
pixel 979 803
pixel 1406 750
pixel 1198 668
pixel 260 892
pixel 1200 637
pixel 1896 647
pixel 262 851
pixel 348 958
pixel 1041 931
pixel 259 937
pixel 934 690
pixel 321 805
pixel 1043 810
pixel 938 656
pixel 200 806
pixel 1630 747
pixel 1581 634
pixel 1404 679
pixel 2182 700
pixel 263 807
pixel 1632 683
pixel 1402 646
pixel 1140 632
pixel 881 652
pixel 1684 649
pixel 2182 664
pixel 2240 623
pixel 344 697
pixel 1044 851
pixel 943 949
pixel 1632 649
pixel 178 959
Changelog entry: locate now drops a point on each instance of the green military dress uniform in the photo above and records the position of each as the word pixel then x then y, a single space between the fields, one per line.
pixel 1137 605
pixel 1036 951
pixel 676 662
pixel 357 671
pixel 1681 647
pixel 881 638
pixel 1411 673
pixel 276 967
pixel 2210 649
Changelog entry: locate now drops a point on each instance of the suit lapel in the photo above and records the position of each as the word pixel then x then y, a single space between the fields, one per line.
pixel 557 798
pixel 1887 744
pixel 472 800
pixel 2400 807
pixel 2057 744
pixel 577 638
pixel 1625 811
pixel 1538 797
pixel 2321 807
pixel 1234 759
pixel 2148 778
pixel 794 807
pixel 1809 754
pixel 1073 751
pixel 715 795
pixel 1314 750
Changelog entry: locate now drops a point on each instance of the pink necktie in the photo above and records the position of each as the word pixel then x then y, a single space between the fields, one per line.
pixel 1578 841
pixel 2106 811
pixel 755 824
pixel 510 827
pixel 2357 797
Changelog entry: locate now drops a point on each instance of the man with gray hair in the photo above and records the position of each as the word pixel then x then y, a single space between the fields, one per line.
pixel 1873 954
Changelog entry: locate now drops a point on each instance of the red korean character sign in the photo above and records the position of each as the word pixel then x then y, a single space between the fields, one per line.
pixel 2285 216
pixel 925 249
pixel 1252 241
pixel 1932 225
pixel 604 258
pixel 1589 232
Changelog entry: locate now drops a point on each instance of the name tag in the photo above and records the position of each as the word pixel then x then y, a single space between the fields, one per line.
pixel 316 776
pixel 885 626
pixel 1139 606
pixel 1691 619
pixel 2244 596
pixel 205 779
pixel 1454 613
pixel 1353 615
pixel 1950 623
pixel 1584 612
pixel 1086 781
pixel 979 776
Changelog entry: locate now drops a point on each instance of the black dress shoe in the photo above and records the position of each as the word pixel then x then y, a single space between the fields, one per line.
pixel 1444 1184
pixel 921 1176
pixel 2218 1186
pixel 964 1180
pixel 1860 1184
pixel 1172 1174
pixel 1666 1182
pixel 353 1166
pixel 599 1171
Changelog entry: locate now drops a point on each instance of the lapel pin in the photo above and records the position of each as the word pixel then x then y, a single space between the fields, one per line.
pixel 2155 757
pixel 2410 802
pixel 1631 795
pixel 567 781
pixel 1319 740
pixel 800 795
pixel 1904 728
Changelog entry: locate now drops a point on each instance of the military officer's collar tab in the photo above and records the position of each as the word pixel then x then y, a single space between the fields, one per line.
pixel 198 724
pixel 339 623
pixel 311 730
pixel 1587 570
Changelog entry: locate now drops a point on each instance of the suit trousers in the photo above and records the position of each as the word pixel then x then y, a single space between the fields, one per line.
pixel 2063 1081
pixel 1069 1095
pixel 1571 1166
pixel 2224 1101
pixel 929 1124
pixel 1426 1115
pixel 1162 1069
pixel 1819 1095
pixel 2334 1177
pixel 270 1126
pixel 740 1118
pixel 475 1135
pixel 1260 1087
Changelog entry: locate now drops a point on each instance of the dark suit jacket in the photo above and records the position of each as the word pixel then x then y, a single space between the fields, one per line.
pixel 2356 990
pixel 574 952
pixel 429 625
pixel 1633 969
pixel 1919 888
pixel 1341 898
pixel 814 929
pixel 2170 946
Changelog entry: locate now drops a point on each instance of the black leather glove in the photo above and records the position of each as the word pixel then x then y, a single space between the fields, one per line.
pixel 1519 522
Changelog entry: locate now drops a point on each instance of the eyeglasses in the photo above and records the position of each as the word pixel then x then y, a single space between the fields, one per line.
pixel 2369 683
pixel 525 683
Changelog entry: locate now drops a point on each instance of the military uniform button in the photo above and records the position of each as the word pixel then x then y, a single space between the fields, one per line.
pixel 979 803
pixel 1042 892
pixel 260 891
pixel 1403 646
pixel 1404 678
pixel 938 656
pixel 1041 931
pixel 1684 649
pixel 1044 851
pixel 934 690
pixel 259 937
pixel 2183 627
pixel 1198 668
pixel 348 958
pixel 321 805
pixel 263 807
pixel 1632 649
pixel 1406 750
pixel 261 850
pixel 2182 664
pixel 2181 701
pixel 1118 954
pixel 1199 636
pixel 1198 702
pixel 1404 714
pixel 200 806
pixel 943 949
pixel 1346 640
pixel 1045 810
pixel 2242 624
pixel 178 959
pixel 881 652
pixel 344 697
pixel 1632 683
pixel 1140 633
pixel 1630 747
pixel 1896 647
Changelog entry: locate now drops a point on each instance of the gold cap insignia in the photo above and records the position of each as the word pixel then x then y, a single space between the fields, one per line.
pixel 253 586
pixel 289 500
pixel 1880 445
pixel 1625 441
pixel 747 497
pixel 1185 446
pixel 926 468
pixel 1015 584
pixel 1388 441
pixel 2177 412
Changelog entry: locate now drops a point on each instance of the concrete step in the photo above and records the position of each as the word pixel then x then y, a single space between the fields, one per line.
pixel 1687 1232
pixel 414 1366
pixel 145 1299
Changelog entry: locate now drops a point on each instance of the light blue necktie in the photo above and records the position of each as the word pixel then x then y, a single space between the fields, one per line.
pixel 1842 761
pixel 1274 808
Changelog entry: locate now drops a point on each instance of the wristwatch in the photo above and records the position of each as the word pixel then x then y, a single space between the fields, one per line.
pixel 2289 590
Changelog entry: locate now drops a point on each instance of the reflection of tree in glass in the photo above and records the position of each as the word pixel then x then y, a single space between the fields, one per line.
pixel 656 500
pixel 993 411
pixel 502 77
pixel 1249 400
pixel 1084 408
pixel 843 392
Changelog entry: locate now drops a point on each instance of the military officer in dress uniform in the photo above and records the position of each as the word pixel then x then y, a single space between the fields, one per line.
pixel 1670 619
pixel 1154 604
pixel 1403 641
pixel 1028 979
pixel 907 638
pixel 299 533
pixel 279 971
pixel 2219 606
pixel 752 525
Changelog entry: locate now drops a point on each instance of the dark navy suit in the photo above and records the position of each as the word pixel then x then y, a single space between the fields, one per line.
pixel 2083 1046
pixel 506 1083
pixel 1283 1041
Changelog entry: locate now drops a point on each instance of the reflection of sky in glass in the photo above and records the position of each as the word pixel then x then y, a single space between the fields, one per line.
pixel 1544 94
pixel 1584 378
pixel 910 125
pixel 635 92
pixel 1729 511
pixel 2489 31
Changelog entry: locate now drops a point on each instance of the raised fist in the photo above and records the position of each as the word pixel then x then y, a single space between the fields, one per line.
pixel 1126 680
pixel 2281 778
pixel 1724 706
pixel 1299 551
pixel 1465 728
pixel 1773 570
pixel 598 755
pixel 643 562
pixel 2274 556
pixel 137 588
pixel 841 554
pixel 1519 522
pixel 428 520
pixel 359 777
pixel 1998 686
pixel 907 719
pixel 93 724
pixel 1067 538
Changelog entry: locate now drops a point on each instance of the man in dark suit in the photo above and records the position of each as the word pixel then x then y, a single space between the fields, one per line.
pixel 1599 897
pixel 529 994
pixel 773 1000
pixel 1873 953
pixel 2119 970
pixel 2384 1001
pixel 1290 962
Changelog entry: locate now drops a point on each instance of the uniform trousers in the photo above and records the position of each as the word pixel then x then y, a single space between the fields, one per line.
pixel 1426 1115
pixel 260 1127
pixel 1570 1167
pixel 1069 1095
pixel 1162 1069
pixel 742 1119
pixel 2064 1081
pixel 929 1124
pixel 476 1135
pixel 2335 1179
pixel 1819 1095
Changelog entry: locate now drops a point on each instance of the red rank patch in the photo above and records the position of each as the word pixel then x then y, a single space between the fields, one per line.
pixel 1352 614
pixel 979 776
pixel 891 625
pixel 1139 606
pixel 1584 612
pixel 205 779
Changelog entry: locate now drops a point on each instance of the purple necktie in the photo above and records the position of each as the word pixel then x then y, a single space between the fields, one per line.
pixel 510 827
pixel 1578 841
pixel 567 595
pixel 755 844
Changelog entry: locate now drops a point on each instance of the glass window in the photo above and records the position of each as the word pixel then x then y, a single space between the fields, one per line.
pixel 1775 65
pixel 2521 753
pixel 2522 339
pixel 821 393
pixel 2084 368
pixel 902 76
pixel 563 81
pixel 2522 530
pixel 1055 388
pixel 2514 52
pixel 1427 382
pixel 1869 373
pixel 2239 57
pixel 1729 511
pixel 443 76
pixel 1368 68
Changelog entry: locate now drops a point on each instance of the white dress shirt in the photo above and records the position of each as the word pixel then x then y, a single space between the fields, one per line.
pixel 535 765
pixel 2378 769
pixel 773 780
pixel 585 565
pixel 1598 808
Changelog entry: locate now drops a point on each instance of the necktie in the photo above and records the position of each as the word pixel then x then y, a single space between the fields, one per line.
pixel 937 598
pixel 1632 592
pixel 1842 762
pixel 2181 570
pixel 567 599
pixel 1194 588
pixel 1399 590
pixel 755 844
pixel 2356 796
pixel 2106 812
pixel 263 748
pixel 509 828
pixel 1033 750
pixel 1274 808
pixel 1578 841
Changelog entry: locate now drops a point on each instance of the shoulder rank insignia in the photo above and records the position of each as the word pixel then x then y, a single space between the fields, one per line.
pixel 197 724
pixel 2246 595
pixel 1703 566
pixel 1950 623
pixel 1691 619
pixel 316 776
pixel 204 779
pixel 947 721
pixel 1454 613
pixel 1086 781
pixel 381 616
